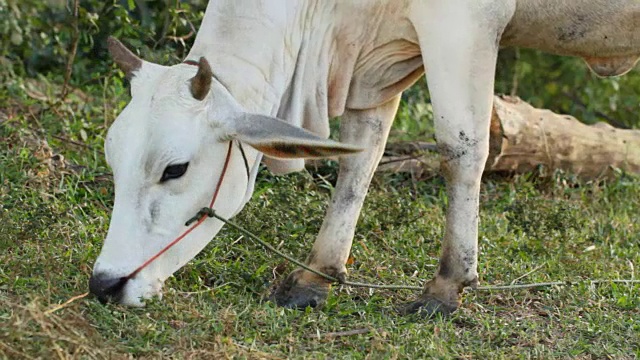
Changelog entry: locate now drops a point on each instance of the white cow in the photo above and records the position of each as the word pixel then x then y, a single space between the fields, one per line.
pixel 305 61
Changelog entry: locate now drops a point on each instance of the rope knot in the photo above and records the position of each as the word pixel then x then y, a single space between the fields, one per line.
pixel 205 211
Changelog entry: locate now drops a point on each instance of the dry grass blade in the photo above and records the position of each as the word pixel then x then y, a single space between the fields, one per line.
pixel 340 333
pixel 65 304
pixel 13 351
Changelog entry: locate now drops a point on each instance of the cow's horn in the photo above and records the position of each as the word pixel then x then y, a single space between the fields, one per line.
pixel 201 83
pixel 127 61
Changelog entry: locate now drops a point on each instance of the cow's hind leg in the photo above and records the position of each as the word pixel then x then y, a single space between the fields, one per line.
pixel 459 43
pixel 368 129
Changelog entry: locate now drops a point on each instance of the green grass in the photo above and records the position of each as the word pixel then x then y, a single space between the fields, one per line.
pixel 53 221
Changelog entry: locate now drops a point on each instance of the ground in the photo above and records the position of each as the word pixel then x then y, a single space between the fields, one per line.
pixel 57 195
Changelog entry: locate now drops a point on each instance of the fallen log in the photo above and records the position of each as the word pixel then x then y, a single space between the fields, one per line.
pixel 523 138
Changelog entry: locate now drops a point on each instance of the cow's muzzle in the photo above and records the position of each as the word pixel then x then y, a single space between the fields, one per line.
pixel 107 289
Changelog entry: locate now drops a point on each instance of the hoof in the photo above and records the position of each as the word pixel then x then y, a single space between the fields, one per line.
pixel 439 297
pixel 301 289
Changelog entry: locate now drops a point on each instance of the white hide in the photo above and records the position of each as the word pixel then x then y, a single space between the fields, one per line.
pixel 306 61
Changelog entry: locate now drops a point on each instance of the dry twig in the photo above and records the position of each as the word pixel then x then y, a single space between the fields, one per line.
pixel 65 304
pixel 72 53
pixel 527 274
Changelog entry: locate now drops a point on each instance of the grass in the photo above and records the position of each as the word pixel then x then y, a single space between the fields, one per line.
pixel 56 200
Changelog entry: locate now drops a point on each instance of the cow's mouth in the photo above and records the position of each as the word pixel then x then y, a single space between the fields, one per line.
pixel 107 289
pixel 124 290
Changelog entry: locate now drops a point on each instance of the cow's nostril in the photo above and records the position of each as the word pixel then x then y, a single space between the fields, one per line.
pixel 107 288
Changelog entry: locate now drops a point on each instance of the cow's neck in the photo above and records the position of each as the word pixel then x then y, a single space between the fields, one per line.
pixel 303 60
pixel 251 49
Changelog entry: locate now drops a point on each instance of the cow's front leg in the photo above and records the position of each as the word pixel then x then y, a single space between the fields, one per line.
pixel 459 42
pixel 368 129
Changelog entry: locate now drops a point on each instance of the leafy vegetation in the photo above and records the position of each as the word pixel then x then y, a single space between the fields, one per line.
pixel 57 195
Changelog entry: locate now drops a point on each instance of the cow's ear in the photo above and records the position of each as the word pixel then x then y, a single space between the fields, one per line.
pixel 276 138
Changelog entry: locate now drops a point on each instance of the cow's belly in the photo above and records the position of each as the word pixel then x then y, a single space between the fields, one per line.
pixel 388 59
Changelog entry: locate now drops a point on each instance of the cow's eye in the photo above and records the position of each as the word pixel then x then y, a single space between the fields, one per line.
pixel 174 171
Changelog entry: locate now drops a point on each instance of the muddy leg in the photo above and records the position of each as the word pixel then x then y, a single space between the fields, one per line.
pixel 368 129
pixel 460 74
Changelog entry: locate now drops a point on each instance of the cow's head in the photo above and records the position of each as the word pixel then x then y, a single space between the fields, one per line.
pixel 167 150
